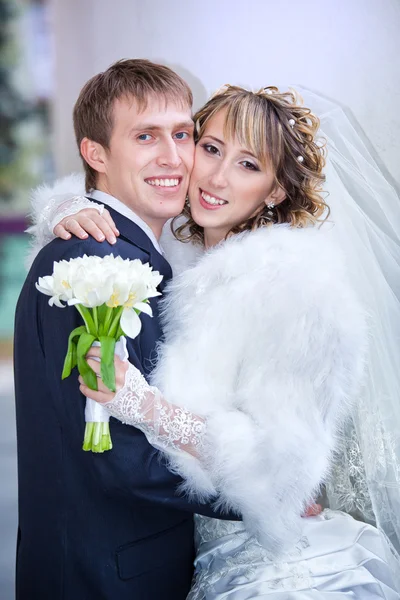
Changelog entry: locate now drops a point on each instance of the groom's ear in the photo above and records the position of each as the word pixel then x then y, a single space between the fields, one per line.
pixel 94 154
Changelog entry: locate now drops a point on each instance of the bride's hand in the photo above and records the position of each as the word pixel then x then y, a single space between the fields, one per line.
pixel 88 221
pixel 103 394
pixel 313 510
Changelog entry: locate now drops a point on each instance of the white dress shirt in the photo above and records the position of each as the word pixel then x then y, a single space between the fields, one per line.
pixel 120 207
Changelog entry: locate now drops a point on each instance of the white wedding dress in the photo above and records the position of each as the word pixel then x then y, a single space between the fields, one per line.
pixel 337 558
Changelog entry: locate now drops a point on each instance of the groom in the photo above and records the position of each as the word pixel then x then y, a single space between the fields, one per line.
pixel 112 525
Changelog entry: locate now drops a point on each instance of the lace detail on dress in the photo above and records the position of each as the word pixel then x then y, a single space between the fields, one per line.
pixel 365 479
pixel 166 426
pixel 244 559
pixel 208 529
pixel 362 472
pixel 347 487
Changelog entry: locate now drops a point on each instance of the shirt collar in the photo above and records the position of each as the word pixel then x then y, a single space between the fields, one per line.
pixel 121 208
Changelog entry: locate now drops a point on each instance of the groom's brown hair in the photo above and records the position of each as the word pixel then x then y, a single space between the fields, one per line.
pixel 132 78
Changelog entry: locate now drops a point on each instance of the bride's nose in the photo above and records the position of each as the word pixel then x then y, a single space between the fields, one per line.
pixel 219 178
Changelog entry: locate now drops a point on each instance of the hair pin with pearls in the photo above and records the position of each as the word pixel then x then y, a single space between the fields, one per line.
pixel 300 158
pixel 292 123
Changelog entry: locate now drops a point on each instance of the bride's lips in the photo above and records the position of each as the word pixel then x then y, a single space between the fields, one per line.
pixel 206 204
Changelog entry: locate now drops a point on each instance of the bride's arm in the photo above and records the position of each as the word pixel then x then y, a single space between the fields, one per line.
pixel 62 209
pixel 168 427
pixel 82 219
pixel 183 436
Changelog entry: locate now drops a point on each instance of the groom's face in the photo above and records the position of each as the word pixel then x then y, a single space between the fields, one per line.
pixel 150 157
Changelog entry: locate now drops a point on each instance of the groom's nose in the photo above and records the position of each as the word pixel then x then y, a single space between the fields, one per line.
pixel 169 155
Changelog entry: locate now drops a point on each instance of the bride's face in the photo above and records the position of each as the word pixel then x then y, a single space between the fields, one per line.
pixel 228 184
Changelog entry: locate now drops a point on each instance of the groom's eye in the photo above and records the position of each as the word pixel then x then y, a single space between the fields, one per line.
pixel 182 135
pixel 144 137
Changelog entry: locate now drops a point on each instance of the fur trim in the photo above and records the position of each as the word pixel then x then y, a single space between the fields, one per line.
pixel 44 200
pixel 71 184
pixel 180 255
pixel 265 338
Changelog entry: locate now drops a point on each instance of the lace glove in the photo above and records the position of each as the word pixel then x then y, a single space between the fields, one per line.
pixel 167 427
pixel 56 208
pixel 59 208
pixel 62 206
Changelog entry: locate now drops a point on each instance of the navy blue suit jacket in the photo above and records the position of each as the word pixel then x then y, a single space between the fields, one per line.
pixel 91 526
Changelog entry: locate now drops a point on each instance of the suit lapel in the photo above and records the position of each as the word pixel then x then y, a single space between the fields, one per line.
pixel 133 234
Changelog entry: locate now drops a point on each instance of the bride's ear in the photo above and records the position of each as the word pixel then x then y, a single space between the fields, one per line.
pixel 94 154
pixel 277 196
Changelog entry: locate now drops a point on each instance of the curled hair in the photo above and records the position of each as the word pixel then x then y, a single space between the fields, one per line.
pixel 277 129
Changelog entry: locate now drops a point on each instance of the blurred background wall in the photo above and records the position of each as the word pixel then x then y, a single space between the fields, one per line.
pixel 26 96
pixel 347 50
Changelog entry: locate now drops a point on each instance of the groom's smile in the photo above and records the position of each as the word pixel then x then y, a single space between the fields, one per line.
pixel 165 184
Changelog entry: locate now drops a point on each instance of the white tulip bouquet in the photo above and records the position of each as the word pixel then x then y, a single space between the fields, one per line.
pixel 109 293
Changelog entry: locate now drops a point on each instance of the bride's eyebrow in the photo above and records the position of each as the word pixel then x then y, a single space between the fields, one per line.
pixel 242 150
pixel 212 137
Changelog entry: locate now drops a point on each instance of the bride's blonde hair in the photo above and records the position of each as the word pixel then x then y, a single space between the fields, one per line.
pixel 280 131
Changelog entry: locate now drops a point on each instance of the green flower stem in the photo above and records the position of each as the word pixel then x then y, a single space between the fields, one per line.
pixel 107 320
pixel 115 323
pixel 71 357
pixel 107 368
pixel 95 319
pixel 87 440
pixel 87 318
pixel 84 344
pixel 97 437
pixel 106 437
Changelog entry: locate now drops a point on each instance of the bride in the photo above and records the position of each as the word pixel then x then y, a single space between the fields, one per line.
pixel 263 357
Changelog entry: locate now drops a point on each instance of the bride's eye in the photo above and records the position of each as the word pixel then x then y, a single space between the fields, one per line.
pixel 249 165
pixel 210 148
